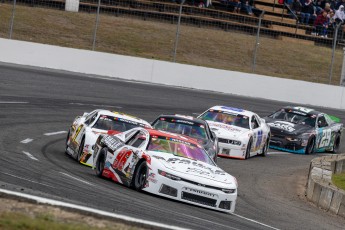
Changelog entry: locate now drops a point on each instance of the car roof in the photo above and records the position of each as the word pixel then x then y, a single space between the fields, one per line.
pixel 232 110
pixel 123 116
pixel 155 132
pixel 184 118
pixel 301 109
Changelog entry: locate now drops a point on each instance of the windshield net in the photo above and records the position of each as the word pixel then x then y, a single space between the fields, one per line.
pixel 296 117
pixel 183 127
pixel 227 118
pixel 178 148
pixel 114 123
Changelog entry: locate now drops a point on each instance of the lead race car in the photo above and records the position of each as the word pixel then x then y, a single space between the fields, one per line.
pixel 241 133
pixel 191 127
pixel 165 164
pixel 303 130
pixel 85 130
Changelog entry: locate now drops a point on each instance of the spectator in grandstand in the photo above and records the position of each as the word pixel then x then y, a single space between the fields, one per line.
pixel 296 8
pixel 236 4
pixel 339 15
pixel 339 3
pixel 319 6
pixel 327 8
pixel 321 24
pixel 308 11
pixel 247 5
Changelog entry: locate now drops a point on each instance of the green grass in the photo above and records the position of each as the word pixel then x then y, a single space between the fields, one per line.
pixel 292 58
pixel 20 221
pixel 339 180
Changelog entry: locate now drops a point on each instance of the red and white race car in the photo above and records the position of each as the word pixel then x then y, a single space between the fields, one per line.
pixel 85 130
pixel 165 164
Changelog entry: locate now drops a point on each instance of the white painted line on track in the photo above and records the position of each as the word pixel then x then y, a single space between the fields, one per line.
pixel 75 178
pixel 27 140
pixel 30 156
pixel 110 106
pixel 13 102
pixel 55 133
pixel 254 221
pixel 32 181
pixel 279 153
pixel 91 210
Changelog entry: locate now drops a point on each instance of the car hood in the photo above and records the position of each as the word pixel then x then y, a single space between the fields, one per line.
pixel 287 128
pixel 194 170
pixel 224 130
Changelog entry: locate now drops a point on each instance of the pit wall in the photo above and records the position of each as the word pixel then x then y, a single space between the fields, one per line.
pixel 320 189
pixel 168 73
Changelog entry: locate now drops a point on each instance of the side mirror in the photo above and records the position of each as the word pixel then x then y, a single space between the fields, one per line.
pixel 85 113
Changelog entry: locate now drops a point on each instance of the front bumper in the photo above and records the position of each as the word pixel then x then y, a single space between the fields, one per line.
pixel 232 151
pixel 281 143
pixel 191 193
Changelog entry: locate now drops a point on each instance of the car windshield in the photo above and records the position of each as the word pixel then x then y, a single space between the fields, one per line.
pixel 227 118
pixel 188 128
pixel 106 122
pixel 179 148
pixel 296 117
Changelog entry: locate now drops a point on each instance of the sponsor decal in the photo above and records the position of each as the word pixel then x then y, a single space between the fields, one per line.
pixel 112 142
pixel 282 125
pixel 233 109
pixel 185 122
pixel 196 191
pixel 227 127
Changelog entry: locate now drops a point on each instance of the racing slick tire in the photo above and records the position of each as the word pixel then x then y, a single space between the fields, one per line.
pixel 140 176
pixel 336 144
pixel 249 146
pixel 310 146
pixel 265 148
pixel 101 162
pixel 80 150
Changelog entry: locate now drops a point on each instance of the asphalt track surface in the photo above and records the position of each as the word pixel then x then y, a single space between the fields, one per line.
pixel 35 102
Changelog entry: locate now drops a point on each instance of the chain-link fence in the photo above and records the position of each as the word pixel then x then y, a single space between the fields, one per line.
pixel 267 38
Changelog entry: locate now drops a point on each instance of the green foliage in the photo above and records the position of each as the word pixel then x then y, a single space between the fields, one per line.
pixel 339 180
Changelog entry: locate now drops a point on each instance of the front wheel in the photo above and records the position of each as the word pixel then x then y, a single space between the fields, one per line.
pixel 249 147
pixel 80 150
pixel 140 176
pixel 310 146
pixel 100 163
pixel 265 148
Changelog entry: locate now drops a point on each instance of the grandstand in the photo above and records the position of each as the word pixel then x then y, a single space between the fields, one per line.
pixel 275 23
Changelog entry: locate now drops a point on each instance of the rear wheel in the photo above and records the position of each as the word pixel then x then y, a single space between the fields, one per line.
pixel 81 149
pixel 336 144
pixel 100 163
pixel 140 176
pixel 310 146
pixel 249 147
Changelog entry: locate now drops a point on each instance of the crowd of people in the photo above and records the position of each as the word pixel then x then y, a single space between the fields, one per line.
pixel 322 14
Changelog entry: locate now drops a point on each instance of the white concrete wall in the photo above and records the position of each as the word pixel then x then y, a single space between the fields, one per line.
pixel 131 68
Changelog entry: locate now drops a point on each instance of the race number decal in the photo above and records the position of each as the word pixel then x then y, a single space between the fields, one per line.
pixel 121 159
pixel 326 138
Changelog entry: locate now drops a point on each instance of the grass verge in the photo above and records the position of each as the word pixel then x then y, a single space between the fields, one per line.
pixel 339 180
pixel 233 50
pixel 20 215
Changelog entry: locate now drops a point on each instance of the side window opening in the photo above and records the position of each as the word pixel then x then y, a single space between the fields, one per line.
pixel 254 123
pixel 137 140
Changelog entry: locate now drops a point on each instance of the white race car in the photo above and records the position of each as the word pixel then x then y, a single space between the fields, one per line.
pixel 165 164
pixel 85 130
pixel 241 134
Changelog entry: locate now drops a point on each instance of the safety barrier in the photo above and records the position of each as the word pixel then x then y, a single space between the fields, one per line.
pixel 320 189
pixel 169 73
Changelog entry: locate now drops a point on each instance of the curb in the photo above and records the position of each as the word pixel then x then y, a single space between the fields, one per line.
pixel 320 189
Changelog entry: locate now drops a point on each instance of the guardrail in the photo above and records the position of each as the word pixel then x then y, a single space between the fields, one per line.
pixel 320 189
pixel 173 74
